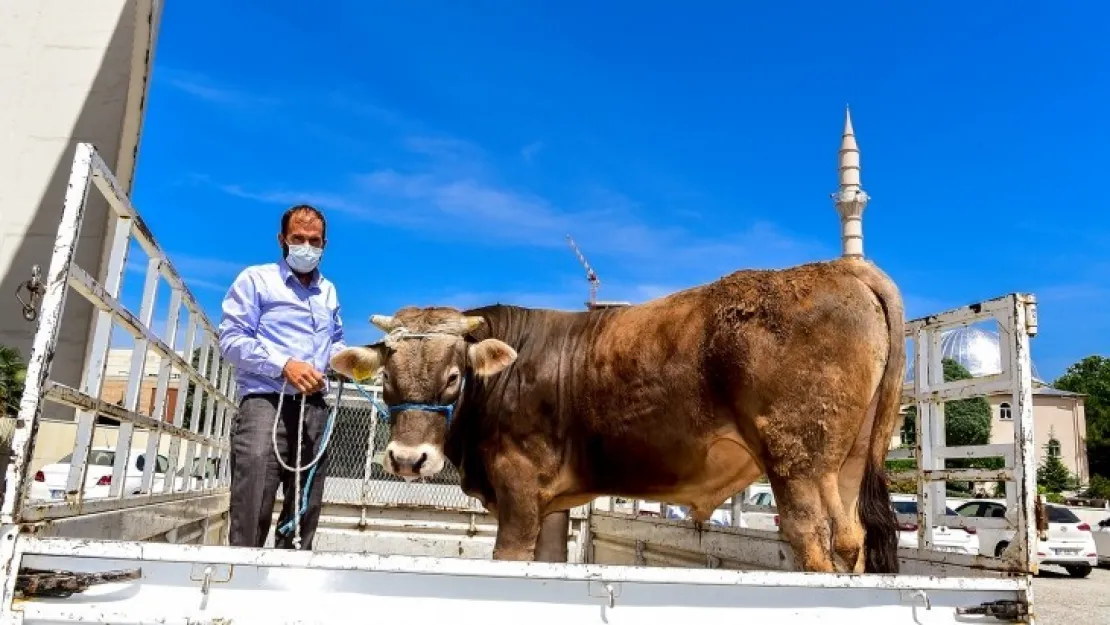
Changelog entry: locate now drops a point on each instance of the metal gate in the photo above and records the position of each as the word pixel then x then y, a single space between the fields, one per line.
pixel 170 456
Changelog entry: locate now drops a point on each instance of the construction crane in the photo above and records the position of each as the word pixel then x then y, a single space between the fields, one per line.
pixel 594 281
pixel 591 275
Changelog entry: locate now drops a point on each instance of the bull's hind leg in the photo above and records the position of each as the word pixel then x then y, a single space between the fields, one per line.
pixel 804 522
pixel 847 532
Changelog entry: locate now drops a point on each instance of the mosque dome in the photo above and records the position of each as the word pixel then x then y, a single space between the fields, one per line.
pixel 977 349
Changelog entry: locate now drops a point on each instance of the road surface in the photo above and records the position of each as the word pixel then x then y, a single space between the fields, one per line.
pixel 1062 600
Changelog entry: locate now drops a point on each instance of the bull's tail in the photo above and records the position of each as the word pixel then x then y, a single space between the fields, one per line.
pixel 879 522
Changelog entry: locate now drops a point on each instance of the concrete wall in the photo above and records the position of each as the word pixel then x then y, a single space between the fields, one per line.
pixel 1056 416
pixel 1061 417
pixel 69 72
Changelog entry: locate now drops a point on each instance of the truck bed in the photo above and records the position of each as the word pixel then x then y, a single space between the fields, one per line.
pixel 210 584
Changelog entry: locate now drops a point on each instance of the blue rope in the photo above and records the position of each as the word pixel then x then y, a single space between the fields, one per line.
pixel 287 528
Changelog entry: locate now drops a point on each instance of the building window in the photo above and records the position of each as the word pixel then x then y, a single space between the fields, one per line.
pixel 1004 412
pixel 1053 448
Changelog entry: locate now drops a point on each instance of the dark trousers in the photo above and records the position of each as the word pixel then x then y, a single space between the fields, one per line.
pixel 255 472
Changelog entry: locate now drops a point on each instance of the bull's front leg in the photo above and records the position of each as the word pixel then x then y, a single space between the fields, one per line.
pixel 518 506
pixel 552 543
pixel 518 525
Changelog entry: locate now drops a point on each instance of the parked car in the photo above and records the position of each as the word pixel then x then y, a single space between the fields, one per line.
pixel 50 481
pixel 1101 534
pixel 953 539
pixel 1070 543
pixel 760 495
pixel 766 519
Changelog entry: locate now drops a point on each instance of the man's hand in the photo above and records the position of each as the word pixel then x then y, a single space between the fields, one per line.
pixel 303 376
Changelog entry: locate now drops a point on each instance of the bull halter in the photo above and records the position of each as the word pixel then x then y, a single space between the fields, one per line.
pixel 386 410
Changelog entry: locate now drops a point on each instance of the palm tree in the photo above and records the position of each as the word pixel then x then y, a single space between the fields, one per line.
pixel 13 373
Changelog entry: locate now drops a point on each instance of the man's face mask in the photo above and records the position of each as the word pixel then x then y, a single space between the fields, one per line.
pixel 303 258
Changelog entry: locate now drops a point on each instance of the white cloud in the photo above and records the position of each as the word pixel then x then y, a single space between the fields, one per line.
pixel 449 189
pixel 530 151
pixel 202 87
pixel 211 274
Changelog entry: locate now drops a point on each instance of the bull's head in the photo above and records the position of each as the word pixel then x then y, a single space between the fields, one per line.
pixel 425 359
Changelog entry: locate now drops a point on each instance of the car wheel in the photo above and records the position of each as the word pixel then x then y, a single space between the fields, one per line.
pixel 1078 570
pixel 1000 548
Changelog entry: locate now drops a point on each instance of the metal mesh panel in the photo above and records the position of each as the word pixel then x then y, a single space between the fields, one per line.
pixel 349 451
pixel 354 465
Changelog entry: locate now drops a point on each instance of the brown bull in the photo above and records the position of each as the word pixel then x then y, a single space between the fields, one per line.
pixel 689 398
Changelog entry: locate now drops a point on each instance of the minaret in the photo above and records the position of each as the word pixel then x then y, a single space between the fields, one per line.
pixel 850 199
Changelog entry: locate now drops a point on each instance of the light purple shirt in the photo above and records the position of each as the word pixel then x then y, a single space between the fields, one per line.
pixel 269 317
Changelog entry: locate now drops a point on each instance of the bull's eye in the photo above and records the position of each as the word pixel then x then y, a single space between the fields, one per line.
pixel 451 379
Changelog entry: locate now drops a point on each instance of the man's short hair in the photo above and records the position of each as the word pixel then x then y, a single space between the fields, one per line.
pixel 303 208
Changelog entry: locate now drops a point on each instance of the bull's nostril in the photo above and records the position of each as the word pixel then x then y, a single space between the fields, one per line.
pixel 393 461
pixel 419 463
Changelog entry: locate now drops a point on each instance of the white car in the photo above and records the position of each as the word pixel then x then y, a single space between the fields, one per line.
pixel 50 481
pixel 766 519
pixel 761 495
pixel 954 539
pixel 1070 543
pixel 1101 534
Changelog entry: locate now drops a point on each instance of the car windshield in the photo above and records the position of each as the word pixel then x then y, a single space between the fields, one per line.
pixel 96 457
pixel 905 507
pixel 1057 514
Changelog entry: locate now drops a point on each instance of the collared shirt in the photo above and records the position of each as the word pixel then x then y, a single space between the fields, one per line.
pixel 270 317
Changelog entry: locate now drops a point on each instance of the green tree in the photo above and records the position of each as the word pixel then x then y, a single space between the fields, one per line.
pixel 1053 475
pixel 966 422
pixel 1099 488
pixel 1091 376
pixel 13 375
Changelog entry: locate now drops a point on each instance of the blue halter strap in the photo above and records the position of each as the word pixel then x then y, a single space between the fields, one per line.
pixel 387 412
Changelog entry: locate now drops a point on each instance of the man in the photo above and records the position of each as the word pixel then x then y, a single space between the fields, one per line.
pixel 280 324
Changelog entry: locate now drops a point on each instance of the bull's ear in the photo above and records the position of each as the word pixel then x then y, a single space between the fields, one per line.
pixel 360 363
pixel 491 356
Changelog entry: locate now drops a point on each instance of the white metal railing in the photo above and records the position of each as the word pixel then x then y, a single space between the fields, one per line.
pixel 213 385
pixel 1016 317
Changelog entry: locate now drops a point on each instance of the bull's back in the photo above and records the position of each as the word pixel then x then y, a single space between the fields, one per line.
pixel 664 380
pixel 777 333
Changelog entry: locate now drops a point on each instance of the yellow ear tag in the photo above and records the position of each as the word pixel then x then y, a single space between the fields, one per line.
pixel 361 373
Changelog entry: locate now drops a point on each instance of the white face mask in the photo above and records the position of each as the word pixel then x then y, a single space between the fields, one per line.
pixel 303 258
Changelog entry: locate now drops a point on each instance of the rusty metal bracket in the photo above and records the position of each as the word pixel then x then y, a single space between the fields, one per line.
pixel 55 583
pixel 1011 611
pixel 35 290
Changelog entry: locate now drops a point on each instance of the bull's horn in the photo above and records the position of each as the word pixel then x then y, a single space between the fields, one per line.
pixel 472 322
pixel 386 322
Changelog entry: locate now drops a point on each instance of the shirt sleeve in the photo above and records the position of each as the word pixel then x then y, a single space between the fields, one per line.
pixel 338 342
pixel 238 330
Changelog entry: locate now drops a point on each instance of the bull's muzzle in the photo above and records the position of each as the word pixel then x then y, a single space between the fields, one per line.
pixel 413 461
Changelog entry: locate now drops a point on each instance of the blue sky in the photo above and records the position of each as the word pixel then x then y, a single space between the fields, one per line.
pixel 454 145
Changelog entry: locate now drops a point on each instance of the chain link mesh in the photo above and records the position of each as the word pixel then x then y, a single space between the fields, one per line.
pixel 354 464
